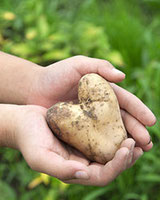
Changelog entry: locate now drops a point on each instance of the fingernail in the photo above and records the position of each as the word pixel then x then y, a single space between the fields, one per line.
pixel 130 157
pixel 131 153
pixel 150 140
pixel 132 147
pixel 126 162
pixel 140 155
pixel 118 71
pixel 81 175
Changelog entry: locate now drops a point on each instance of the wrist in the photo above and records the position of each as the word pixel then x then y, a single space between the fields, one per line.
pixel 8 125
pixel 37 87
pixel 32 83
pixel 17 77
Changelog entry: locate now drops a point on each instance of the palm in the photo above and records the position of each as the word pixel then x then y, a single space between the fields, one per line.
pixel 57 85
pixel 45 153
pixel 44 140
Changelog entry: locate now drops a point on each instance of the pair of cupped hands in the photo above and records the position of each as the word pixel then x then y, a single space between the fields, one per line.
pixel 45 153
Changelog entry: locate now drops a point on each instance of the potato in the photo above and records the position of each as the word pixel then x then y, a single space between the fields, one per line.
pixel 94 125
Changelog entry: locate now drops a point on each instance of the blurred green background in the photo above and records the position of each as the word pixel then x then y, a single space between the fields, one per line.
pixel 127 33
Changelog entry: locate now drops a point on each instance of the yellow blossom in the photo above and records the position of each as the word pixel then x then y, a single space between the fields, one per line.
pixel 42 178
pixel 9 16
pixel 31 34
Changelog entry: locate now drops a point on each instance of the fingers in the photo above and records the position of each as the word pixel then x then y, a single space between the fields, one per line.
pixel 113 168
pixel 71 171
pixel 130 144
pixel 148 147
pixel 101 175
pixel 137 153
pixel 77 155
pixel 54 165
pixel 134 106
pixel 85 65
pixel 136 130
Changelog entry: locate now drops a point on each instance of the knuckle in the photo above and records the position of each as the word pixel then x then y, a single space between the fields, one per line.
pixel 62 176
pixel 123 114
pixel 65 175
pixel 80 57
pixel 108 63
pixel 134 127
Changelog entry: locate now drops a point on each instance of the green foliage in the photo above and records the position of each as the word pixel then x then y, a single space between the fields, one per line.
pixel 126 32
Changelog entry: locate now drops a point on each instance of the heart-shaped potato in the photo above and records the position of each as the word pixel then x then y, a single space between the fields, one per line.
pixel 94 125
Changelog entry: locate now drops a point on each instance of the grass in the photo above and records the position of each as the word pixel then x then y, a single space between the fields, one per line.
pixel 124 32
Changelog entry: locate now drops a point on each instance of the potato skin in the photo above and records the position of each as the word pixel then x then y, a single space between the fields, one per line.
pixel 94 126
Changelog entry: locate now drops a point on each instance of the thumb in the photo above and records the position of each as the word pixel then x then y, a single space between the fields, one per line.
pixel 85 65
pixel 50 163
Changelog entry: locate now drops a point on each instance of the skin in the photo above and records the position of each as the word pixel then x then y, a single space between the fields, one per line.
pixel 45 153
pixel 23 82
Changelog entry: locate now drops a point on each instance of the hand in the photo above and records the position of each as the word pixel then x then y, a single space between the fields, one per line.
pixel 45 153
pixel 59 82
